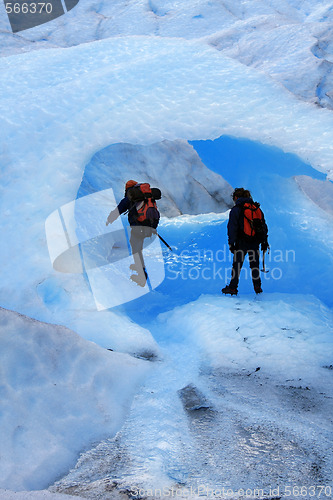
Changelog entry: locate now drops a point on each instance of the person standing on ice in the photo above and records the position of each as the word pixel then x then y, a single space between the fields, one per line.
pixel 143 217
pixel 247 229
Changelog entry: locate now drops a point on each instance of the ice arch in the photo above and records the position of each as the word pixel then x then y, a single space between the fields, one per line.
pixel 61 106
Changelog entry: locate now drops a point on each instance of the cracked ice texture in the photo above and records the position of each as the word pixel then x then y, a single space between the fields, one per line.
pixel 289 40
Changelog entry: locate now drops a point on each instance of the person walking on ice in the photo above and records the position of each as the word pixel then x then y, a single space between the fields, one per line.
pixel 247 229
pixel 143 217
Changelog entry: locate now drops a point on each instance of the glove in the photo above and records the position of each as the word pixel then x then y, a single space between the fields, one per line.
pixel 264 246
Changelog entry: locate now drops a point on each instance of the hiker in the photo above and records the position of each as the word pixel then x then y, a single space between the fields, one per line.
pixel 143 217
pixel 247 229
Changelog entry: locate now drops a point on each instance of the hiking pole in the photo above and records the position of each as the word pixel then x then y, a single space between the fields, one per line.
pixel 263 270
pixel 165 243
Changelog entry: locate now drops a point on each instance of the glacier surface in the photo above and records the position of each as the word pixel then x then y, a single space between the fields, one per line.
pixel 126 80
pixel 289 40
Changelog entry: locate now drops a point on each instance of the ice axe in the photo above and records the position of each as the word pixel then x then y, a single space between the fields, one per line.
pixel 264 270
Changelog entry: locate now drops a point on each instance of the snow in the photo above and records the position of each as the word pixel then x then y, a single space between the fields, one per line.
pixel 35 495
pixel 207 418
pixel 192 98
pixel 288 336
pixel 54 386
pixel 275 37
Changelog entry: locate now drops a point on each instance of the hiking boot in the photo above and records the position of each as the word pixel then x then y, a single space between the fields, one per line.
pixel 140 280
pixel 229 290
pixel 139 271
pixel 258 289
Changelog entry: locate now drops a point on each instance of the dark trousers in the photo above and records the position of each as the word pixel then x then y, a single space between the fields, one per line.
pixel 138 235
pixel 239 257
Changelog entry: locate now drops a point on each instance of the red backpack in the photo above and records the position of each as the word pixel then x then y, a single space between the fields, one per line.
pixel 254 226
pixel 143 197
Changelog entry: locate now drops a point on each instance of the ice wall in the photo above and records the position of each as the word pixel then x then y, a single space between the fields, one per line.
pixel 187 185
pixel 59 393
pixel 320 192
